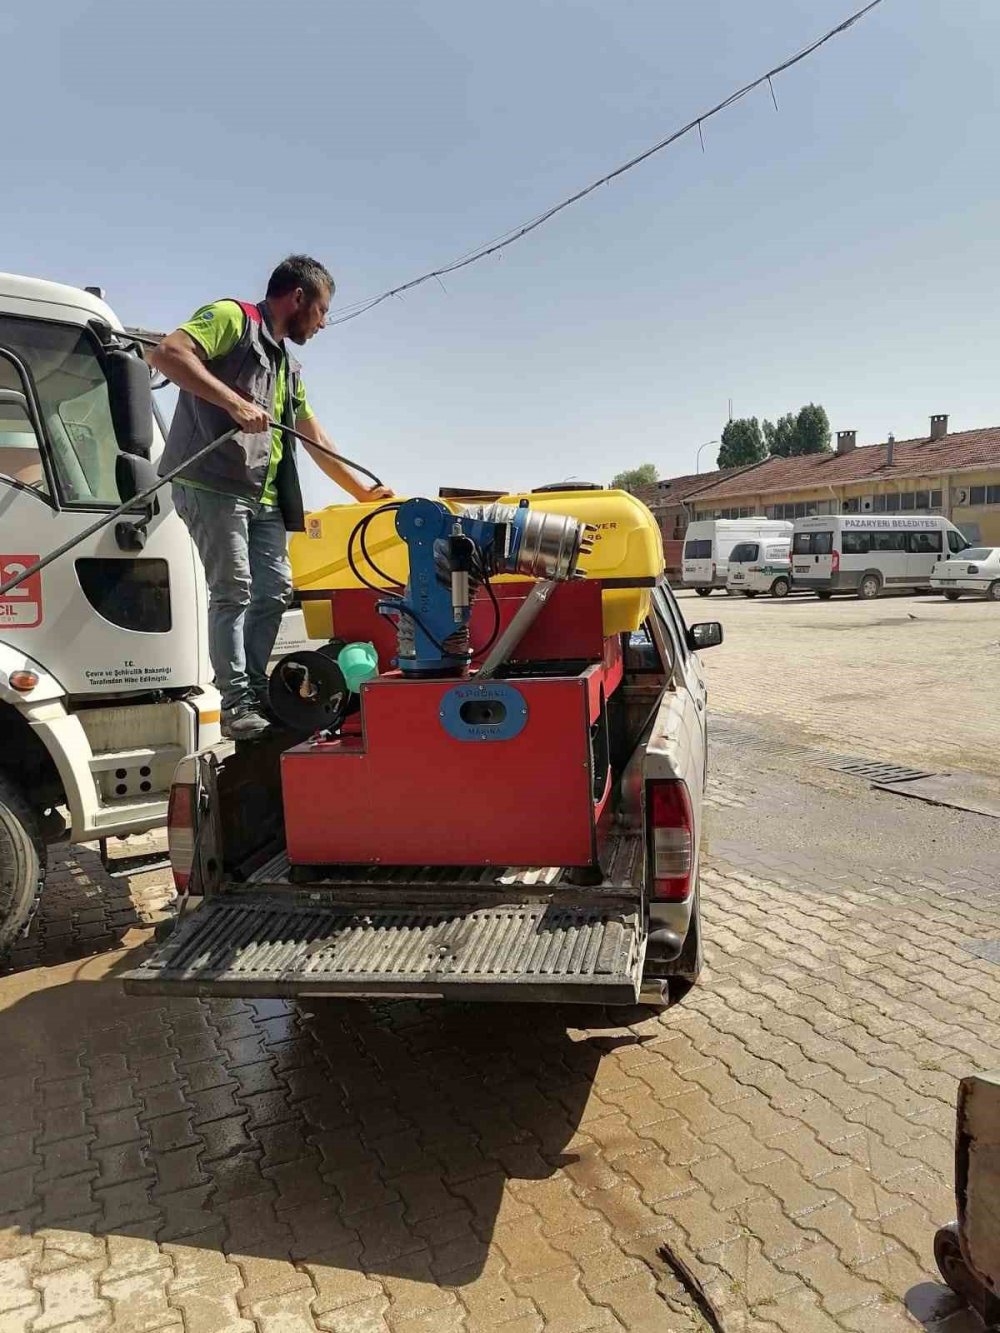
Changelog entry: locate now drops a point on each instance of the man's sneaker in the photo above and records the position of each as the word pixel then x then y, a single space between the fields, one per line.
pixel 243 723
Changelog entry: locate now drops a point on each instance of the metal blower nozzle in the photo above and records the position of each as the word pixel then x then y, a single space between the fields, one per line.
pixel 550 546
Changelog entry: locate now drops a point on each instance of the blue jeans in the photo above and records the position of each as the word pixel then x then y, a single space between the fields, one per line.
pixel 243 549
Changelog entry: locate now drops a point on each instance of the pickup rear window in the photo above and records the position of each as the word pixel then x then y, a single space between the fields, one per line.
pixel 744 551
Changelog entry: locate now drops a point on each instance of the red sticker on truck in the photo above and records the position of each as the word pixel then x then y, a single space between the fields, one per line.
pixel 21 608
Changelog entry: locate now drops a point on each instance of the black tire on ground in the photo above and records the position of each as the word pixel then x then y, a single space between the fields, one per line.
pixel 952 595
pixel 780 588
pixel 703 592
pixel 824 596
pixel 22 863
pixel 749 594
pixel 870 586
pixel 993 591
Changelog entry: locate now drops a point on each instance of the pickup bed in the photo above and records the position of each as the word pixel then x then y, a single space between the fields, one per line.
pixel 251 925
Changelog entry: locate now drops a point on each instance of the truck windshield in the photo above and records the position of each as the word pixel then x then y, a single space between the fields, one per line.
pixel 73 400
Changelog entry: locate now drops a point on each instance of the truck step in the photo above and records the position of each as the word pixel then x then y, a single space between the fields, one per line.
pixel 273 944
pixel 104 761
pixel 132 814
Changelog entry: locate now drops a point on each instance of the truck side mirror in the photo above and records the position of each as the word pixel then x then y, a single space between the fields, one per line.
pixel 131 400
pixel 133 475
pixel 706 635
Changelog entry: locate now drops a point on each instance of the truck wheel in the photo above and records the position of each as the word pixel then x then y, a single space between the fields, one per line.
pixel 824 596
pixel 22 863
pixel 870 586
pixel 703 592
pixel 952 595
pixel 749 594
pixel 993 591
pixel 780 588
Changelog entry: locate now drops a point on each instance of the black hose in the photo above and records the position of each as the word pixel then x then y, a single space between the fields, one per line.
pixel 139 500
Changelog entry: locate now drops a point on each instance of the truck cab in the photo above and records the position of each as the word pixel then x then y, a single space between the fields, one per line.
pixel 104 673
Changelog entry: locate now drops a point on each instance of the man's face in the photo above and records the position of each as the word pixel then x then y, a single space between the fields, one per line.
pixel 309 316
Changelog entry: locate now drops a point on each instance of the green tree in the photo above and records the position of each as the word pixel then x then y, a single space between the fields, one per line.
pixel 634 478
pixel 812 430
pixel 781 435
pixel 742 443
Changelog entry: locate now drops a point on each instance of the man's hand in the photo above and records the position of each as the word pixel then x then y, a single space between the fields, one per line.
pixel 376 493
pixel 249 416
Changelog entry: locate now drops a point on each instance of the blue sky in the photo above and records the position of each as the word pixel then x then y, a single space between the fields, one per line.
pixel 843 250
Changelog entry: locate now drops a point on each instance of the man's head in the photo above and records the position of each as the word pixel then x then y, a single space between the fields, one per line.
pixel 298 293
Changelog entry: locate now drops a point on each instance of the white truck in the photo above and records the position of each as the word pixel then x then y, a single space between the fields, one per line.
pixel 709 541
pixel 104 672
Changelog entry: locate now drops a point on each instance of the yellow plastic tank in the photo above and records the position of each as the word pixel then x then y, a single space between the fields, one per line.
pixel 627 548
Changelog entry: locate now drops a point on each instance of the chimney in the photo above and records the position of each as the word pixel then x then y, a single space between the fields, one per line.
pixel 939 426
pixel 846 441
pixel 890 449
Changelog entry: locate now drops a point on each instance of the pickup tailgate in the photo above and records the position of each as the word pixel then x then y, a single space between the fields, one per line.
pixel 488 936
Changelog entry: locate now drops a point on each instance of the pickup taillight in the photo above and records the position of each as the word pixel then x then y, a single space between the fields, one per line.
pixel 671 831
pixel 180 833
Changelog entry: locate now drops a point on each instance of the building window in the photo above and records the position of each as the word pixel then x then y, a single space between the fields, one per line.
pixel 892 503
pixel 936 499
pixel 906 501
pixel 977 495
pixel 993 495
pixel 923 499
pixel 878 504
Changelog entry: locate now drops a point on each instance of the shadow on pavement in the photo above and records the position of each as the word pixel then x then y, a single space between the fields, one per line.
pixel 83 910
pixel 378 1138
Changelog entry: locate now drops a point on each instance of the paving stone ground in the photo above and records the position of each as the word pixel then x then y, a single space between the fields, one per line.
pixel 910 679
pixel 783 1137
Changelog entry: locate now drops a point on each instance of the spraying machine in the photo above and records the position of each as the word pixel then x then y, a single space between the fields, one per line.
pixel 461 705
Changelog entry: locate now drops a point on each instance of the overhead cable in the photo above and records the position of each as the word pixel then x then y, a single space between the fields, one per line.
pixel 348 312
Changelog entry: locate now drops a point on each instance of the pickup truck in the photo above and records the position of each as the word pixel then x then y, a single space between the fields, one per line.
pixel 629 932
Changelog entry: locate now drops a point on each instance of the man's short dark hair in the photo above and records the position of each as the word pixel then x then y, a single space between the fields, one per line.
pixel 301 271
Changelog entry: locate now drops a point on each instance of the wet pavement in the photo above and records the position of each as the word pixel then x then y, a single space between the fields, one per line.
pixel 773 1154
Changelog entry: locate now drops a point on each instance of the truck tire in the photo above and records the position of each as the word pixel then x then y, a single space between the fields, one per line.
pixel 993 591
pixel 703 592
pixel 22 864
pixel 952 594
pixel 824 596
pixel 870 586
pixel 780 588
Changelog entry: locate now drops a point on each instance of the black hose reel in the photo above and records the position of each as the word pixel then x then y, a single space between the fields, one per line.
pixel 307 691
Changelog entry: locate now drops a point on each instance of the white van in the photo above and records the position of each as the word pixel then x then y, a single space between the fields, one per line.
pixel 866 553
pixel 763 565
pixel 708 542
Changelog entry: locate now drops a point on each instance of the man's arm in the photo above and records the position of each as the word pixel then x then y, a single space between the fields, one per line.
pixel 319 451
pixel 181 360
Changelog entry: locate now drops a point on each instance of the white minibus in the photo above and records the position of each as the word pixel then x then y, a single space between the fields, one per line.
pixel 865 554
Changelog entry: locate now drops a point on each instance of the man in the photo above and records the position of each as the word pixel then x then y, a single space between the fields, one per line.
pixel 238 502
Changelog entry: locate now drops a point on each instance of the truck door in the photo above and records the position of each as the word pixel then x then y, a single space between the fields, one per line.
pixel 102 619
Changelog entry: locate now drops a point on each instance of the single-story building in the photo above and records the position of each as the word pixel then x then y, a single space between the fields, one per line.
pixel 671 502
pixel 952 473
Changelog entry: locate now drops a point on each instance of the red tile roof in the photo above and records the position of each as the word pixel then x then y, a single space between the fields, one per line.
pixel 958 451
pixel 671 490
